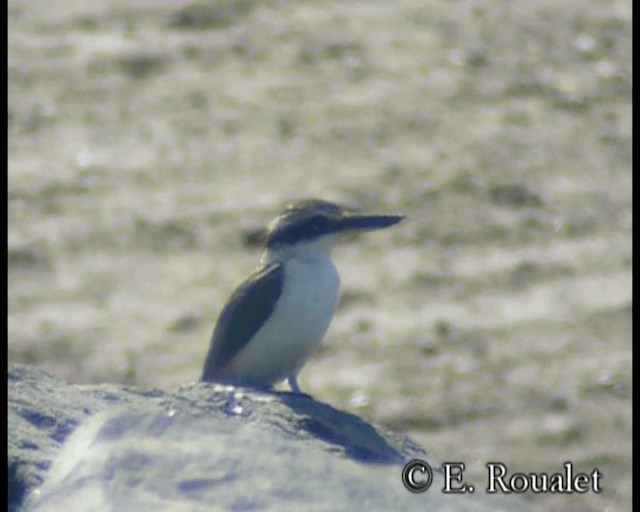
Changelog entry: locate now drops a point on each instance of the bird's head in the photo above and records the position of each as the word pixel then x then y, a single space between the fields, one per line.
pixel 314 226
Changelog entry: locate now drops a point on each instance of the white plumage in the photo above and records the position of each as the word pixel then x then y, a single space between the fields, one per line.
pixel 301 317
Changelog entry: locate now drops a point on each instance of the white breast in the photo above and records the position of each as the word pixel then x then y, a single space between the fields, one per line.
pixel 297 325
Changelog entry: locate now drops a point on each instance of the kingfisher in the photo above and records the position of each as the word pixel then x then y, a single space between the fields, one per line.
pixel 278 316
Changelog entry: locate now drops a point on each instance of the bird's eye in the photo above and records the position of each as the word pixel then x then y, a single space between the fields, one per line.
pixel 318 223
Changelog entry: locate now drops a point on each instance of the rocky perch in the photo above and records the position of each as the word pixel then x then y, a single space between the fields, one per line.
pixel 204 447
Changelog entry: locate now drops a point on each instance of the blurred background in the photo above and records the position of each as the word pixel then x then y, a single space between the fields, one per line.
pixel 149 141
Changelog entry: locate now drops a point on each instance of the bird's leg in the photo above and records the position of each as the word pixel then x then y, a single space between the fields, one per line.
pixel 293 384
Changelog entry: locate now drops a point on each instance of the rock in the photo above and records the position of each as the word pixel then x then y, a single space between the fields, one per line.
pixel 203 447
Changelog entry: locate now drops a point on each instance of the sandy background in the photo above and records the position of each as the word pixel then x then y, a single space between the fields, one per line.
pixel 149 140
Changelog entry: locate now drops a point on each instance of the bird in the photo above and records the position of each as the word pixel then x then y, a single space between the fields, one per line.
pixel 278 316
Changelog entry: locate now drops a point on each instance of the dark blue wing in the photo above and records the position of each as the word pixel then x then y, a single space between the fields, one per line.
pixel 245 312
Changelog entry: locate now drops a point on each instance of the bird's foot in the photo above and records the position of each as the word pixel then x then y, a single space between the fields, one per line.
pixel 295 389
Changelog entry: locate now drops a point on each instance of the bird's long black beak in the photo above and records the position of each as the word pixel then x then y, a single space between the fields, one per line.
pixel 354 222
